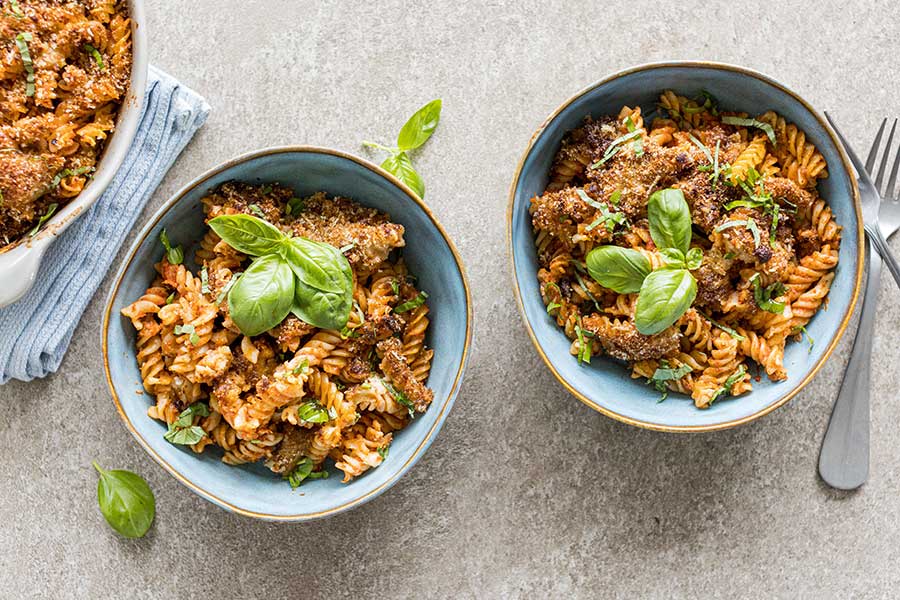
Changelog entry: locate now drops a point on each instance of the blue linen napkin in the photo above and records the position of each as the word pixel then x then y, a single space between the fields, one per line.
pixel 35 331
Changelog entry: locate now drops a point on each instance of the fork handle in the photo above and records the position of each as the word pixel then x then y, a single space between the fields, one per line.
pixel 844 457
pixel 884 250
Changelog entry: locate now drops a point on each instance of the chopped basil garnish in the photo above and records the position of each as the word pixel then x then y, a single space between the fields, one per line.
pixel 226 289
pixel 764 296
pixel 400 397
pixel 414 303
pixel 383 452
pixel 616 196
pixel 44 218
pixel 98 58
pixel 615 146
pixel 174 255
pixel 188 329
pixel 312 412
pixel 204 280
pixel 638 143
pixel 266 190
pixel 607 218
pixel 749 224
pixel 665 373
pixel 752 123
pixel 347 247
pixel 22 40
pixel 170 298
pixel 57 179
pixel 726 329
pixel 256 210
pixel 584 347
pixel 809 339
pixel 729 383
pixel 16 9
pixel 553 306
pixel 304 471
pixel 182 430
pixel 302 368
pixel 294 206
pixel 395 287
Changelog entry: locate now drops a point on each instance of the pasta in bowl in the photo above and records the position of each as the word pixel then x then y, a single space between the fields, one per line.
pixel 691 235
pixel 294 312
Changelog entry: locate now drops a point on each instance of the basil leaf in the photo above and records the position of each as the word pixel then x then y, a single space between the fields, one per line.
pixel 44 218
pixel 312 412
pixel 419 300
pixel 248 234
pixel 318 265
pixel 401 166
pixel 262 297
pixel 126 501
pixel 763 296
pixel 672 257
pixel 420 126
pixel 752 123
pixel 327 310
pixel 174 255
pixel 22 40
pixel 186 417
pixel 694 258
pixel 670 219
pixel 98 58
pixel 620 269
pixel 665 295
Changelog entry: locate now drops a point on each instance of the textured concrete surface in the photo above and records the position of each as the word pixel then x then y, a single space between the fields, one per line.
pixel 526 492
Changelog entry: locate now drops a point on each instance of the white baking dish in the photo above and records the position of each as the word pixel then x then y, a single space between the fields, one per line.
pixel 20 262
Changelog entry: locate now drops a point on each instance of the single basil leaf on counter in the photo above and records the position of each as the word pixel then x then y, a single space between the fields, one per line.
pixel 694 258
pixel 620 269
pixel 318 265
pixel 420 126
pixel 670 219
pixel 672 257
pixel 262 297
pixel 248 234
pixel 665 295
pixel 126 501
pixel 401 166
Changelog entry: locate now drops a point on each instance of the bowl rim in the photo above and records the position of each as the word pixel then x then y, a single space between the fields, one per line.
pixel 860 249
pixel 139 241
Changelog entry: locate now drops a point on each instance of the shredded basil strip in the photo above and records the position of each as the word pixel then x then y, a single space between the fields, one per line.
pixel 584 348
pixel 400 397
pixel 729 383
pixel 312 412
pixel 256 210
pixel 615 146
pixel 98 58
pixel 16 9
pixel 415 302
pixel 174 255
pixel 46 217
pixel 752 123
pixel 763 296
pixel 57 179
pixel 749 224
pixel 226 289
pixel 204 280
pixel 725 328
pixel 22 40
pixel 665 373
pixel 303 471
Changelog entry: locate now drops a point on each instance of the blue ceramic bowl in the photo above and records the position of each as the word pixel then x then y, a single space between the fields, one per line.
pixel 606 385
pixel 253 490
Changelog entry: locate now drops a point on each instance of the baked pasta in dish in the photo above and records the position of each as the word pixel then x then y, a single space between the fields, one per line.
pixel 64 71
pixel 687 245
pixel 300 336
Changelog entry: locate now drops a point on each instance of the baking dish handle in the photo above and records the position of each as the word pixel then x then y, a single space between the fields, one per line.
pixel 19 269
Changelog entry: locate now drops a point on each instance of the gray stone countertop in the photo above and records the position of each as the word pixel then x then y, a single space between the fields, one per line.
pixel 525 492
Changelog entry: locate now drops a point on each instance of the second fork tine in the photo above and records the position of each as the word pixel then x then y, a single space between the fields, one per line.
pixel 890 193
pixel 879 179
pixel 873 151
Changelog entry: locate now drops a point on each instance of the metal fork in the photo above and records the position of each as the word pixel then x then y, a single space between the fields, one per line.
pixel 844 457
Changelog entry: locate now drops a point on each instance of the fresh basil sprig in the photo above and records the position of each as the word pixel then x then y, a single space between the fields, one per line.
pixel 665 294
pixel 414 133
pixel 620 269
pixel 126 501
pixel 311 279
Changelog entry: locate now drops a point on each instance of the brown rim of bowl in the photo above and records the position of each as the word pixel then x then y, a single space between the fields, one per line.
pixel 163 210
pixel 860 250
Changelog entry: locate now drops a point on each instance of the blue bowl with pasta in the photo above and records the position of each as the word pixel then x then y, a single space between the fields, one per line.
pixel 770 295
pixel 251 489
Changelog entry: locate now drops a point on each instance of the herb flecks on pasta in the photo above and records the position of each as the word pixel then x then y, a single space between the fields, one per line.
pixel 293 394
pixel 64 71
pixel 686 293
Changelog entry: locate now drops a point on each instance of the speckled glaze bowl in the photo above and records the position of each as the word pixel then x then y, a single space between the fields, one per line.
pixel 253 490
pixel 606 385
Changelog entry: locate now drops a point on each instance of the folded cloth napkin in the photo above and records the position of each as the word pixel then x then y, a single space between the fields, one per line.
pixel 35 331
